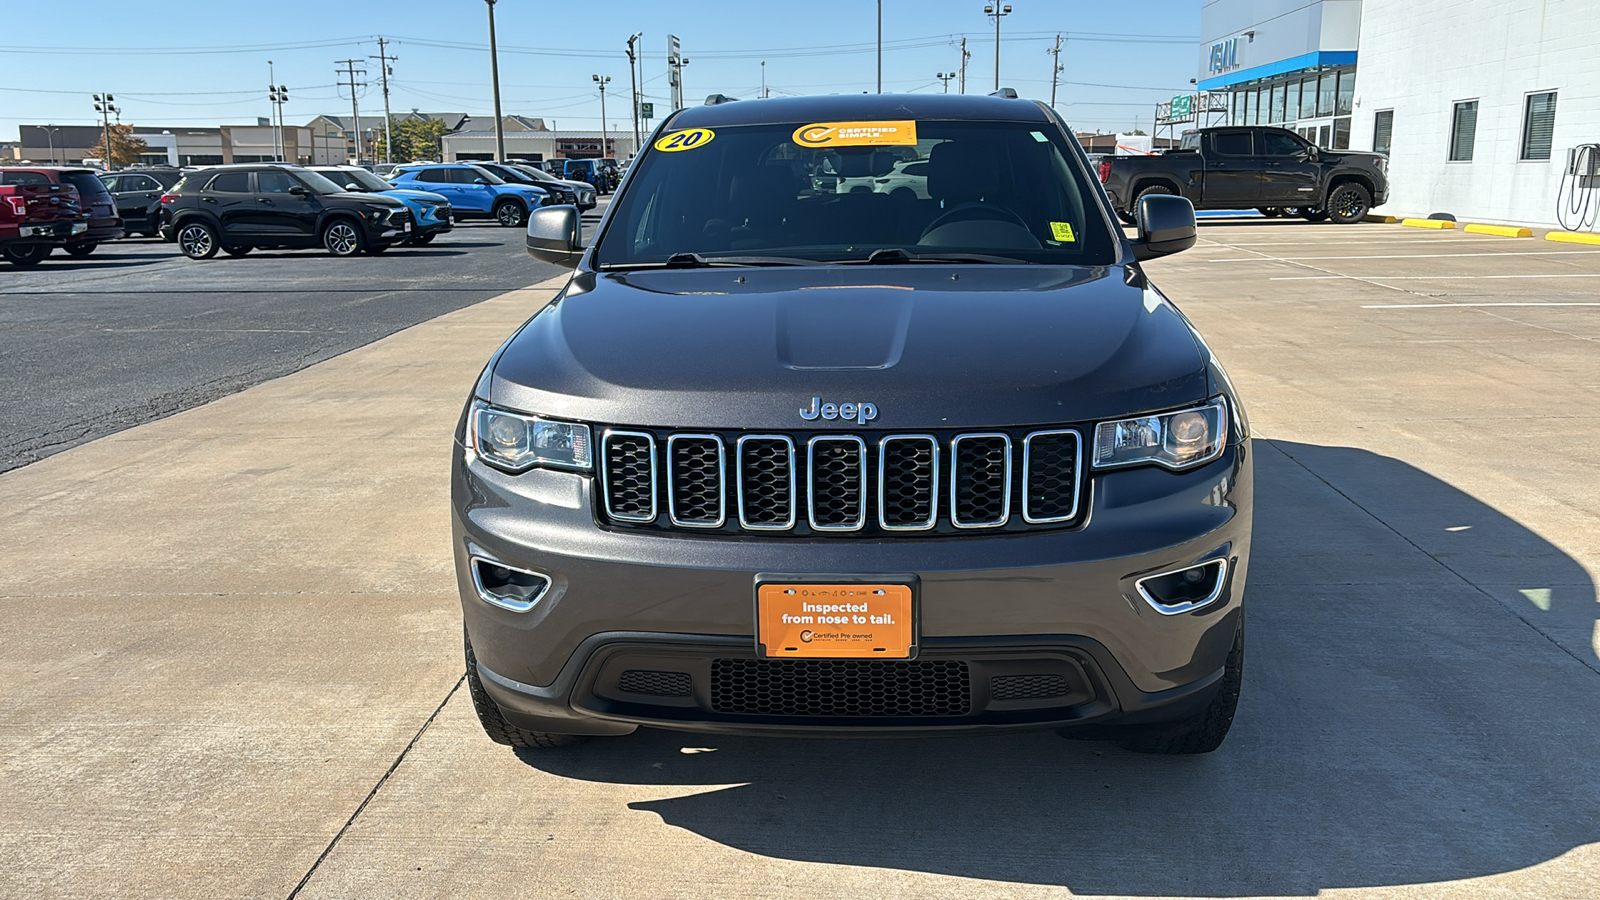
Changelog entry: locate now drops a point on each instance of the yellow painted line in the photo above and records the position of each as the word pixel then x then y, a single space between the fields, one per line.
pixel 1428 223
pixel 1573 237
pixel 1501 230
pixel 1373 217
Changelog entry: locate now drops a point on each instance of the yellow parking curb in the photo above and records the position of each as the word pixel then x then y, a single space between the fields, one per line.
pixel 1573 237
pixel 1501 230
pixel 1373 217
pixel 1428 223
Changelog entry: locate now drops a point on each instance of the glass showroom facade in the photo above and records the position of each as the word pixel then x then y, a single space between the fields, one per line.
pixel 1316 103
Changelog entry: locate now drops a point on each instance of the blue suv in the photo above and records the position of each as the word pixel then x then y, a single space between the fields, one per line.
pixel 430 212
pixel 473 192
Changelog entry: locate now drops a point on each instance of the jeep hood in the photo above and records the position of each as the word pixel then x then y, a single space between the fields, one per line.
pixel 928 346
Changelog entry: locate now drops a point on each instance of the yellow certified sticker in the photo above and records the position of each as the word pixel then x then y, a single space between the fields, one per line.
pixel 685 140
pixel 857 134
pixel 1062 232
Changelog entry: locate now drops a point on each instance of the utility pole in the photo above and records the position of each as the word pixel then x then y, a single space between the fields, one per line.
pixel 945 77
pixel 602 81
pixel 997 12
pixel 965 55
pixel 675 64
pixel 103 106
pixel 633 88
pixel 384 71
pixel 880 46
pixel 494 73
pixel 1055 68
pixel 355 110
pixel 764 94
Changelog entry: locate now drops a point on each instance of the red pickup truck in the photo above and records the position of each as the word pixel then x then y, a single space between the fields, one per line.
pixel 36 213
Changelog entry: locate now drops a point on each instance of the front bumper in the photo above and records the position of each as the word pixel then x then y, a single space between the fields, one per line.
pixel 1058 604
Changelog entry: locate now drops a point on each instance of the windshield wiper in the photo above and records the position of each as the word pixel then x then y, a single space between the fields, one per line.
pixel 696 261
pixel 896 255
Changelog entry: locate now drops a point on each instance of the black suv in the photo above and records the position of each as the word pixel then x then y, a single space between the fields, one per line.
pixel 940 460
pixel 240 208
pixel 138 196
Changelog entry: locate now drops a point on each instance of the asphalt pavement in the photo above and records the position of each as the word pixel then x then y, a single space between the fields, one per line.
pixel 90 346
pixel 232 646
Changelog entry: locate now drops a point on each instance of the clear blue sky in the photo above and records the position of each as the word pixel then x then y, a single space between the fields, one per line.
pixel 206 64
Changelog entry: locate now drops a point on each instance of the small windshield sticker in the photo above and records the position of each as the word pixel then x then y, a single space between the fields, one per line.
pixel 685 140
pixel 857 134
pixel 1063 232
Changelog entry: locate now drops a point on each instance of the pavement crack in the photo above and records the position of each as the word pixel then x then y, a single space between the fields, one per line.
pixel 328 850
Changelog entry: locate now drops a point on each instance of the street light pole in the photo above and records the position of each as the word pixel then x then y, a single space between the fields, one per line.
pixel 103 106
pixel 494 73
pixel 997 12
pixel 880 46
pixel 633 87
pixel 945 77
pixel 602 81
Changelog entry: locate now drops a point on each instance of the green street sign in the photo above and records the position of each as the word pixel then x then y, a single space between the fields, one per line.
pixel 1182 106
pixel 647 110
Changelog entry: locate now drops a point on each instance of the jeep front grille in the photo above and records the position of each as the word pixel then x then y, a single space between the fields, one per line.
pixel 841 484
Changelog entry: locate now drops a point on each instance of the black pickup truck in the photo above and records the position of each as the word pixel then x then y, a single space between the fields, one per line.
pixel 1273 170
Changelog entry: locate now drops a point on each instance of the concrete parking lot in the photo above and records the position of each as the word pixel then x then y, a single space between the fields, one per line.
pixel 232 644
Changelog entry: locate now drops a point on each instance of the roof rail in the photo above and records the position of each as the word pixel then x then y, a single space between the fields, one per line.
pixel 1006 93
pixel 719 99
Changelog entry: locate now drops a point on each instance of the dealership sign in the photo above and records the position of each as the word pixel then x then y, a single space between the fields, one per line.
pixel 1224 55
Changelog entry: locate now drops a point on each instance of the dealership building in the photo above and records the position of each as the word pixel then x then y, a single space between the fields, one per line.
pixel 1489 111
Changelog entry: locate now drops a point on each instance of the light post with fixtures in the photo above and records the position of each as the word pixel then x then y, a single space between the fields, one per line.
pixel 997 12
pixel 104 106
pixel 945 77
pixel 602 80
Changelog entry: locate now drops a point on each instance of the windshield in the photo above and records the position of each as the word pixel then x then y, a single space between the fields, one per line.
pixel 1002 191
pixel 319 182
pixel 361 178
pixel 535 174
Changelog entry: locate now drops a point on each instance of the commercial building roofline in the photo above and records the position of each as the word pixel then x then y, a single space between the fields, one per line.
pixel 1293 64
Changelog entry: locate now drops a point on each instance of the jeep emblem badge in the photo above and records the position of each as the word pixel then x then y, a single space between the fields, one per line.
pixel 860 412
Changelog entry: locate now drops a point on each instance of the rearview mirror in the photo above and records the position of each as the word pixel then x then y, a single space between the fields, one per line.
pixel 1166 225
pixel 554 236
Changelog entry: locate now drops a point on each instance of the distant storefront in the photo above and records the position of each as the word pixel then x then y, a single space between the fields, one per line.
pixel 1283 62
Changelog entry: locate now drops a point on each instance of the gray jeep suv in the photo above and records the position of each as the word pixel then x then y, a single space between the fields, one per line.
pixel 910 458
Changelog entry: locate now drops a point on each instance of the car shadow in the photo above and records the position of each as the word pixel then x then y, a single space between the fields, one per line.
pixel 1398 726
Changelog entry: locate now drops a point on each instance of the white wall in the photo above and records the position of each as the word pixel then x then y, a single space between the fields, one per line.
pixel 1284 29
pixel 1420 56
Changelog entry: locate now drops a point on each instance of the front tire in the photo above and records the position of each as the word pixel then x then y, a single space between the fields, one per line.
pixel 1348 202
pixel 83 249
pixel 27 255
pixel 494 723
pixel 510 213
pixel 1205 732
pixel 197 240
pixel 343 238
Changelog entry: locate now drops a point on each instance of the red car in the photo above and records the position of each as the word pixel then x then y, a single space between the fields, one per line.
pixel 35 215
pixel 95 201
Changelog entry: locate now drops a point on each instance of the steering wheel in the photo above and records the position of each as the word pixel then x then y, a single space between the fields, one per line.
pixel 973 211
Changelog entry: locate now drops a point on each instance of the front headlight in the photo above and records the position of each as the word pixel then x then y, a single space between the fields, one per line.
pixel 1175 440
pixel 515 442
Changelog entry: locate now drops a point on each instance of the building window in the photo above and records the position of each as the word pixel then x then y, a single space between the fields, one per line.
pixel 1275 112
pixel 1308 98
pixel 1249 108
pixel 1323 135
pixel 1347 92
pixel 1463 130
pixel 1382 130
pixel 1238 109
pixel 1538 125
pixel 1341 133
pixel 1325 93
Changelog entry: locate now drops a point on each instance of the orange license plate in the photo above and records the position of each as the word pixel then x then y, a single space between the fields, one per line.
pixel 839 621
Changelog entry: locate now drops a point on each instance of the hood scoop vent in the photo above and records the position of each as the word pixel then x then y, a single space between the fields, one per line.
pixel 843 329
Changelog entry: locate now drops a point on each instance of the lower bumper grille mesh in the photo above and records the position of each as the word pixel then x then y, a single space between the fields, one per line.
pixel 1028 687
pixel 840 687
pixel 661 684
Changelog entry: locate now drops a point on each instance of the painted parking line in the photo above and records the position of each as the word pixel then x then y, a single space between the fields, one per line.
pixel 1449 305
pixel 1420 240
pixel 1493 253
pixel 1426 277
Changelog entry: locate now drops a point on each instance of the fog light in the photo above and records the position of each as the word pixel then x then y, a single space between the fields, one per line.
pixel 1185 590
pixel 506 586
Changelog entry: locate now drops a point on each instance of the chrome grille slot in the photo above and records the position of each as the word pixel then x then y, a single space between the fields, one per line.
pixel 628 470
pixel 836 483
pixel 1051 462
pixel 766 482
pixel 908 482
pixel 695 477
pixel 980 480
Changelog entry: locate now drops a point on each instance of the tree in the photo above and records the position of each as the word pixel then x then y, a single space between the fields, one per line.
pixel 416 139
pixel 125 148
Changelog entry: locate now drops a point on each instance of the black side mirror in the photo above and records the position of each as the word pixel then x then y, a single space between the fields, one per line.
pixel 1166 225
pixel 297 190
pixel 554 236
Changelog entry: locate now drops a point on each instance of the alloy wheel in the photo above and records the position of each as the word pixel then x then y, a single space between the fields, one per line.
pixel 195 241
pixel 342 239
